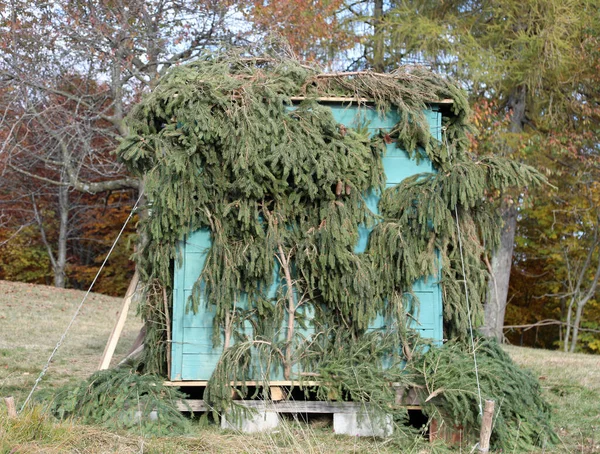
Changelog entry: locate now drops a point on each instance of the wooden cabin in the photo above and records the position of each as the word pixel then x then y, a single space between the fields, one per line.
pixel 193 355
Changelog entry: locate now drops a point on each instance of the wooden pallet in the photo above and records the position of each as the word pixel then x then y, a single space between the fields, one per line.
pixel 279 391
pixel 286 406
pixel 278 403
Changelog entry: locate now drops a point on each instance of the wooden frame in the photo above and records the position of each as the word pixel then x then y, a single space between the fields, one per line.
pixel 357 100
pixel 204 383
pixel 287 406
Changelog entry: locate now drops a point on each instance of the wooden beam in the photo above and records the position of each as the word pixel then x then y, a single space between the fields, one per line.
pixel 276 393
pixel 333 99
pixel 204 383
pixel 284 406
pixel 350 100
pixel 109 350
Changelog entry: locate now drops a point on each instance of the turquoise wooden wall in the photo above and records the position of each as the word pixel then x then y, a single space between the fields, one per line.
pixel 193 356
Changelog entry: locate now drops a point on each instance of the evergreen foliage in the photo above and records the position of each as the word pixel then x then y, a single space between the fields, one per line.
pixel 222 146
pixel 420 222
pixel 449 392
pixel 122 399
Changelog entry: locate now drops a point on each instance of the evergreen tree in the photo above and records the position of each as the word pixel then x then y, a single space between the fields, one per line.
pixel 280 188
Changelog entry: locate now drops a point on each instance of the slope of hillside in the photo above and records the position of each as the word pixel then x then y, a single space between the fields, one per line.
pixel 32 320
pixel 33 317
pixel 571 383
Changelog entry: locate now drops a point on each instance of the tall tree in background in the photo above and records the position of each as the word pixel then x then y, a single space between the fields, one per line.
pixel 569 239
pixel 528 57
pixel 313 29
pixel 66 50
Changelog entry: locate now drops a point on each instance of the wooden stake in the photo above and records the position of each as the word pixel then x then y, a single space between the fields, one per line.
pixel 486 426
pixel 109 350
pixel 10 407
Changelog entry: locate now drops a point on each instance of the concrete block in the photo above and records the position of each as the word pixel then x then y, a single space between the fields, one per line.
pixel 152 416
pixel 363 424
pixel 260 421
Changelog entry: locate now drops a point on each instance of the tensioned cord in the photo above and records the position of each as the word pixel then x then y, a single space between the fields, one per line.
pixel 462 260
pixel 62 338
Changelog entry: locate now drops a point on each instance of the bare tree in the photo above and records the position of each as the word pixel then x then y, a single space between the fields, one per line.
pixel 582 273
pixel 69 71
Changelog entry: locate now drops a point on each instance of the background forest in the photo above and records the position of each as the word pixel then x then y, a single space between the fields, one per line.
pixel 71 71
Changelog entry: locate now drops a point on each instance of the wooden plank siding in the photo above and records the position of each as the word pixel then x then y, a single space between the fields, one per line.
pixel 194 357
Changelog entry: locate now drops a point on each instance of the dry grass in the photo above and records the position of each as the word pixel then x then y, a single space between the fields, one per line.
pixel 571 383
pixel 35 432
pixel 32 320
pixel 559 367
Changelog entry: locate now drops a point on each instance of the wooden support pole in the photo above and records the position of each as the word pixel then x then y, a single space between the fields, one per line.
pixel 486 426
pixel 109 350
pixel 10 407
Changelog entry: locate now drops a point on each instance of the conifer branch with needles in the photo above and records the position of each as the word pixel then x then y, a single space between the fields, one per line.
pixel 279 184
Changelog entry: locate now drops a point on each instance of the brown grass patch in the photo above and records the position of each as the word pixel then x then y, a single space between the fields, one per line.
pixel 32 320
pixel 33 317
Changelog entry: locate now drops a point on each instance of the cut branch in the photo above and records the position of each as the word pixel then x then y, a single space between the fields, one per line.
pixel 291 311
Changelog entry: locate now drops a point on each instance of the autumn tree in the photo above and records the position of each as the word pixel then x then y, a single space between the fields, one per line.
pixel 73 69
pixel 313 30
pixel 69 72
pixel 558 248
pixel 65 50
pixel 43 147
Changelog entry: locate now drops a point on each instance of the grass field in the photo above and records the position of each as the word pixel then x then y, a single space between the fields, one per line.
pixel 32 319
pixel 571 383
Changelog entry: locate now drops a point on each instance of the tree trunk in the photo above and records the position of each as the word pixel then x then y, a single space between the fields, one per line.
pixel 582 300
pixel 568 333
pixel 378 44
pixel 58 260
pixel 576 323
pixel 61 255
pixel 517 106
pixel 495 306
